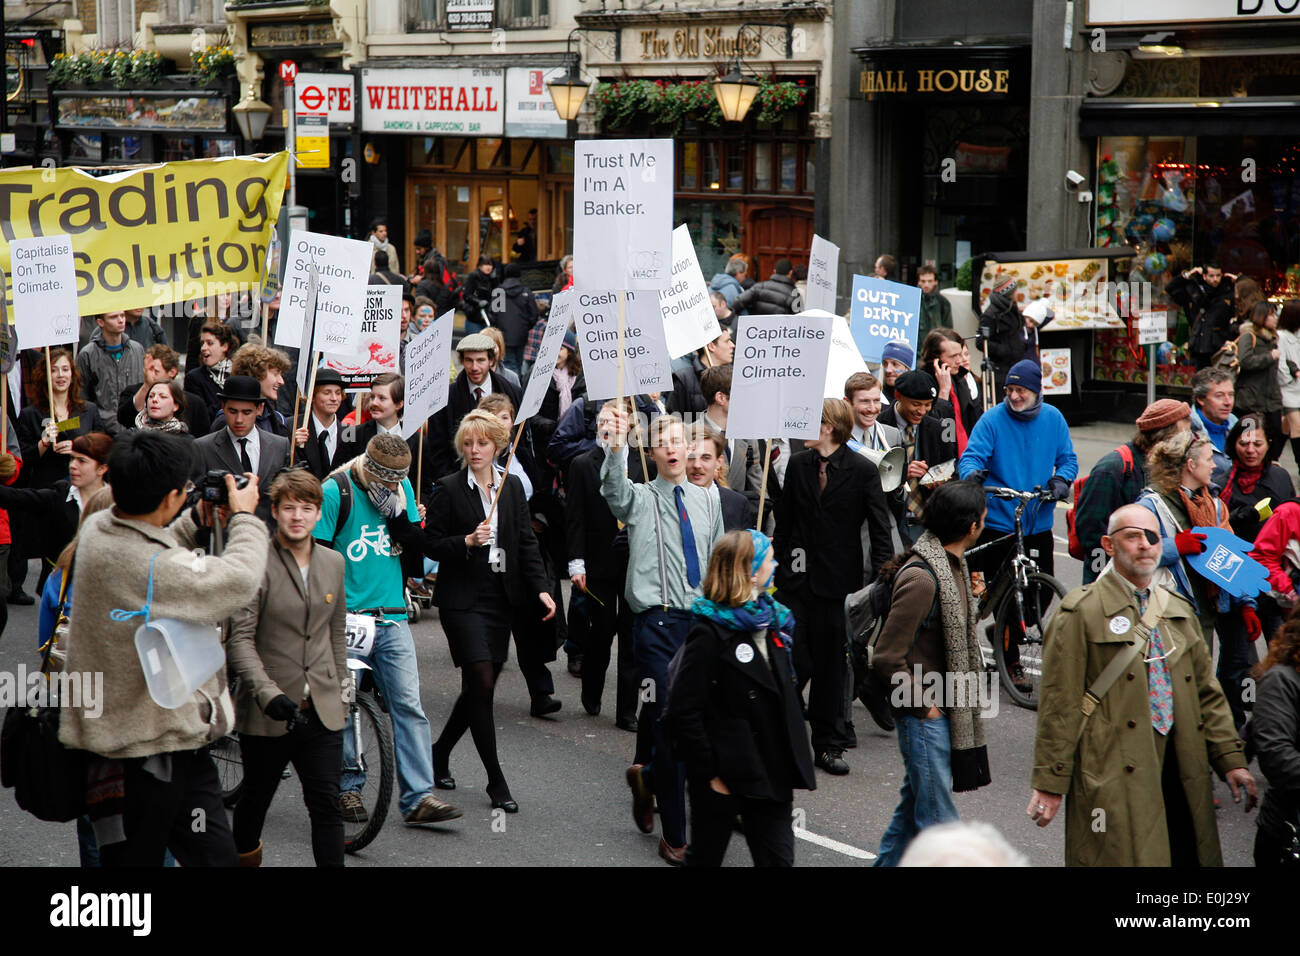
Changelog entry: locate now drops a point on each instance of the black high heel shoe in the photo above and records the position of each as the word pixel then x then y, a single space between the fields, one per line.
pixel 442 778
pixel 503 801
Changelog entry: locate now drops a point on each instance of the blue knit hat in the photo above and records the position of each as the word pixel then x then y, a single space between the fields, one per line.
pixel 570 341
pixel 899 352
pixel 1026 373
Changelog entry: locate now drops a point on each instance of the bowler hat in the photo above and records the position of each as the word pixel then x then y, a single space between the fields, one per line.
pixel 241 388
pixel 328 376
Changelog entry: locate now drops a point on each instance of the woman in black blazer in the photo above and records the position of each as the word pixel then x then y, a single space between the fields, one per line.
pixel 47 450
pixel 489 568
pixel 54 511
pixel 734 711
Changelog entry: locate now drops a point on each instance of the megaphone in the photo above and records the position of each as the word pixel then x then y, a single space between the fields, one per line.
pixel 891 465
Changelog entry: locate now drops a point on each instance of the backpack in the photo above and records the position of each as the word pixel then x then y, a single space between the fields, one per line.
pixel 865 613
pixel 1075 546
pixel 340 478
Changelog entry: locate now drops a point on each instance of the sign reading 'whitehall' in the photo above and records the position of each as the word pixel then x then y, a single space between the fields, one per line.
pixel 450 102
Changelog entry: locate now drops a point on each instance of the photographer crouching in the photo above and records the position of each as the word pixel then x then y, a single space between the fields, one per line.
pixel 289 648
pixel 151 785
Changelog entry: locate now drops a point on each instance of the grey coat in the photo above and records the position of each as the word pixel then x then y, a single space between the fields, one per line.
pixel 103 378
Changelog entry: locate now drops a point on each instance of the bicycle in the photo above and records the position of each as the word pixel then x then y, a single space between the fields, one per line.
pixel 1021 600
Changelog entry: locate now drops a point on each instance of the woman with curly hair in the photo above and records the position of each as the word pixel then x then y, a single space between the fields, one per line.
pixel 1275 739
pixel 1178 493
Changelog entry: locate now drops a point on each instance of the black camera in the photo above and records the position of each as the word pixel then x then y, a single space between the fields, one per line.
pixel 212 486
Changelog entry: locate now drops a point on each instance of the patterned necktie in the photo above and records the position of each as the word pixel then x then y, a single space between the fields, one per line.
pixel 688 540
pixel 1159 684
pixel 913 484
pixel 822 464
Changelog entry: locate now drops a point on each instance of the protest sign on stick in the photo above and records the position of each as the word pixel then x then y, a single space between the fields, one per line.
pixel 643 359
pixel 343 270
pixel 379 343
pixel 427 371
pixel 622 206
pixel 845 359
pixel 689 319
pixel 44 284
pixel 823 274
pixel 778 380
pixel 557 323
pixel 883 311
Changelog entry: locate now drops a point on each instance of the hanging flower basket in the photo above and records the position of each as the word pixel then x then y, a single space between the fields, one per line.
pixel 211 64
pixel 119 69
pixel 667 104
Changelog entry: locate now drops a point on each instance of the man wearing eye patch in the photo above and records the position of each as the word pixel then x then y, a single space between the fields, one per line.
pixel 1135 773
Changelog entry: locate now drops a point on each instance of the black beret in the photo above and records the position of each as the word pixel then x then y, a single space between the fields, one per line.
pixel 916 385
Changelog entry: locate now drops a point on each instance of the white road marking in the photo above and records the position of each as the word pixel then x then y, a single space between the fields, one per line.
pixel 835 845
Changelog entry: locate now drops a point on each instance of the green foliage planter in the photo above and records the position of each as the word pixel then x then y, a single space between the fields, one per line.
pixel 661 103
pixel 119 68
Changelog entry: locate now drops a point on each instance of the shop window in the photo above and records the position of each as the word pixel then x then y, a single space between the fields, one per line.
pixel 689 176
pixel 789 173
pixel 128 149
pixel 762 167
pixel 218 146
pixel 715 228
pixel 735 167
pixel 559 158
pixel 178 147
pixel 712 166
pixel 86 146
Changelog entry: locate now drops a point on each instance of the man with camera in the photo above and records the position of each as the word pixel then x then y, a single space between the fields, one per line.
pixel 369 515
pixel 241 446
pixel 288 647
pixel 150 778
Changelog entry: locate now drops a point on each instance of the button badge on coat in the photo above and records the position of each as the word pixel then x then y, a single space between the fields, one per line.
pixel 1120 625
pixel 744 653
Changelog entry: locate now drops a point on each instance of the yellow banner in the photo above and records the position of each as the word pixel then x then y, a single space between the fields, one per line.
pixel 154 235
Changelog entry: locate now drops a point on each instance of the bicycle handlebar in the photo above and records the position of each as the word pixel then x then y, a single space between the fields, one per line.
pixel 1011 494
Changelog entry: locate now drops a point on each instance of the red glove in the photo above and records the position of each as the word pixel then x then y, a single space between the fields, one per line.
pixel 1189 542
pixel 1253 628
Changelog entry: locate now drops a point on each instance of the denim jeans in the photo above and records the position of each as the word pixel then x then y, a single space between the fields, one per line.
pixel 398 678
pixel 926 796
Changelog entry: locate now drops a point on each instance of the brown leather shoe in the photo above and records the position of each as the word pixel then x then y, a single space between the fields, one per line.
pixel 643 800
pixel 252 857
pixel 672 855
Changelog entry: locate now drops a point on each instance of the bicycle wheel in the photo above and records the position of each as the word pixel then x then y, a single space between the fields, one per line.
pixel 230 768
pixel 1041 597
pixel 372 735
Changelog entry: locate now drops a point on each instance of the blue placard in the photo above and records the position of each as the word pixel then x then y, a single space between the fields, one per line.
pixel 883 311
pixel 1226 562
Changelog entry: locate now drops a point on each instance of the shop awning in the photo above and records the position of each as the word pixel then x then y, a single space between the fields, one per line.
pixel 1241 116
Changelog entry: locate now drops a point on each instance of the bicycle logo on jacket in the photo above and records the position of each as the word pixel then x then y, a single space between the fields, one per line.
pixel 376 540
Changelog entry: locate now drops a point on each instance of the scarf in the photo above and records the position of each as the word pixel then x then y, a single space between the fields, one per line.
pixel 760 614
pixel 970 759
pixel 1201 511
pixel 1241 478
pixel 563 380
pixel 172 425
pixel 1218 434
pixel 1029 414
pixel 219 372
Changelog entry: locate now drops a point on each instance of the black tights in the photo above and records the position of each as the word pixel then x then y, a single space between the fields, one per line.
pixel 473 711
pixel 1295 449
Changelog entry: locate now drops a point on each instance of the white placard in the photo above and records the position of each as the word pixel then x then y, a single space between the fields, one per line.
pixel 44 284
pixel 1188 11
pixel 452 102
pixel 305 357
pixel 689 320
pixel 557 323
pixel 622 209
pixel 823 274
pixel 779 376
pixel 646 366
pixel 530 111
pixel 329 93
pixel 344 269
pixel 845 359
pixel 380 341
pixel 1153 326
pixel 427 372
pixel 1058 378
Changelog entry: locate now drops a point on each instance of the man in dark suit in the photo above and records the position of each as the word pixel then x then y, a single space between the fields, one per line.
pixel 463 394
pixel 705 462
pixel 829 491
pixel 241 446
pixel 326 443
pixel 930 445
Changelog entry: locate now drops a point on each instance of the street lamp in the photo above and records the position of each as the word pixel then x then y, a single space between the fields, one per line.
pixel 251 115
pixel 567 93
pixel 735 93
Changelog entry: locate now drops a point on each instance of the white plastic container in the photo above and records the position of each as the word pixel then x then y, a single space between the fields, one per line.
pixel 177 657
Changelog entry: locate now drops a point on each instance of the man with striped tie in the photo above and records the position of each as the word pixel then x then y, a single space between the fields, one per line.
pixel 671 526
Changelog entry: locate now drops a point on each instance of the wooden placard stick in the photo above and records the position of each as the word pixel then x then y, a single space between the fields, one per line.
pixel 762 488
pixel 501 487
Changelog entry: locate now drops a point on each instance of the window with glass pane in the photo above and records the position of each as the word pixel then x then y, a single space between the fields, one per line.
pixel 789 168
pixel 526 13
pixel 177 148
pixel 762 167
pixel 712 165
pixel 690 176
pixel 735 166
